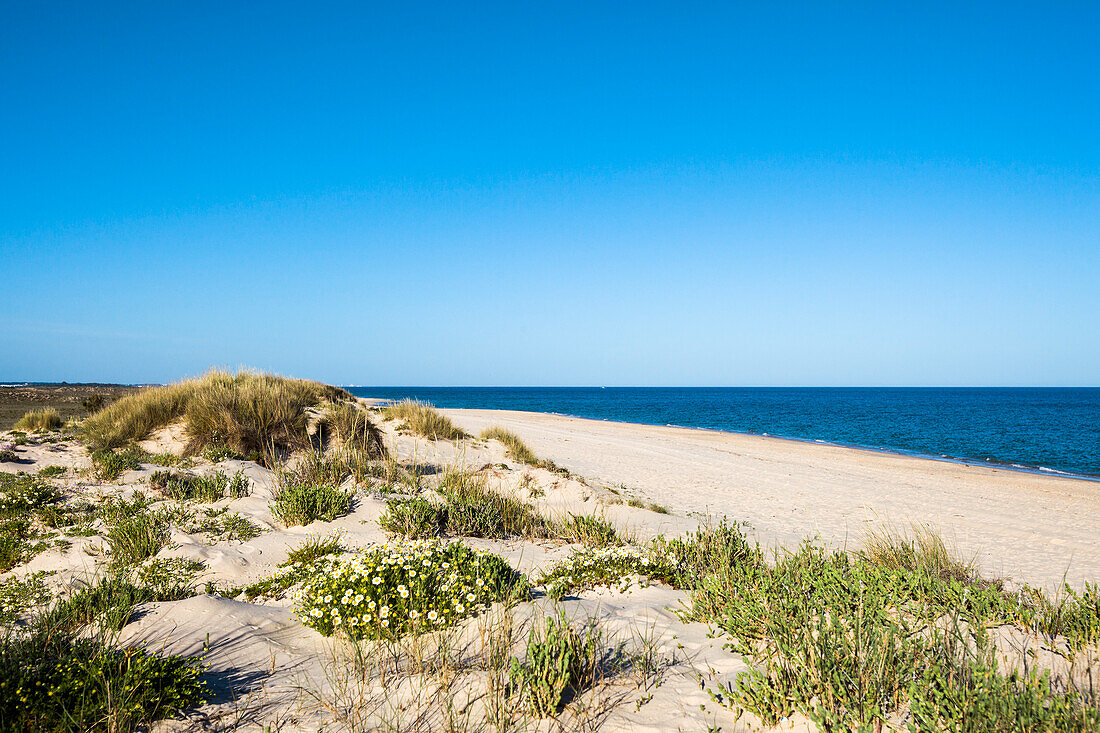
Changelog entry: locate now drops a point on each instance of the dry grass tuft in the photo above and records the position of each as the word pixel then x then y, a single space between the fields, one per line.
pixel 353 428
pixel 424 420
pixel 517 449
pixel 921 550
pixel 247 412
pixel 44 419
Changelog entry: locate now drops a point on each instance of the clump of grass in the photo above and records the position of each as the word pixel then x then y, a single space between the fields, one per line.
pixel 52 471
pixel 108 465
pixel 473 510
pixel 517 449
pixel 921 551
pixel 352 426
pixel 247 412
pixel 26 506
pixel 414 518
pixel 134 533
pixel 424 420
pixel 560 661
pixel 45 419
pixel 299 500
pixel 203 489
pixel 222 525
pixel 8 455
pixel 314 549
pixel 589 530
pixel 849 640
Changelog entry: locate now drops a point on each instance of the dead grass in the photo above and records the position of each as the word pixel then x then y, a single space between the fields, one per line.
pixel 424 420
pixel 919 550
pixel 44 419
pixel 247 412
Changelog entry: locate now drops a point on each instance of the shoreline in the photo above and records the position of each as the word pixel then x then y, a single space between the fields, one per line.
pixel 1033 527
pixel 1045 471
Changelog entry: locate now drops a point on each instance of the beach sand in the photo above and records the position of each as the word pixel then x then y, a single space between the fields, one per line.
pixel 1030 527
pixel 267 671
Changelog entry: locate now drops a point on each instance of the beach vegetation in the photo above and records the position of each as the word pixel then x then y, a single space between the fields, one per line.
pixel 472 509
pixel 52 471
pixel 589 530
pixel 518 451
pixel 47 418
pixel 8 455
pixel 221 525
pixel 413 518
pixel 561 661
pixel 202 489
pixel 299 500
pixel 617 567
pixel 248 412
pixel 135 534
pixel 421 418
pixel 403 587
pixel 353 429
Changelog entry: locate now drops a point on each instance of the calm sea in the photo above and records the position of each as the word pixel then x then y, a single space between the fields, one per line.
pixel 1049 429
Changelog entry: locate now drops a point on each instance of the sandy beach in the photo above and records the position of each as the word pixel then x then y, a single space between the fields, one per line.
pixel 1030 527
pixel 267 671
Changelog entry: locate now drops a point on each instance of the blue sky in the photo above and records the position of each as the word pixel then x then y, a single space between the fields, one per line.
pixel 552 194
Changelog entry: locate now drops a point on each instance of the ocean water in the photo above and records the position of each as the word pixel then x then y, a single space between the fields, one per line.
pixel 1055 430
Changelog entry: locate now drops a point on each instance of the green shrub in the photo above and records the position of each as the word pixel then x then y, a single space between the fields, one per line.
pixel 399 588
pixel 45 419
pixel 559 659
pixel 7 455
pixel 314 549
pixel 297 503
pixel 58 682
pixel 605 566
pixel 26 503
pixel 108 465
pixel 590 531
pixel 19 595
pixel 413 518
pixel 424 420
pixel 473 510
pixel 52 471
pixel 94 403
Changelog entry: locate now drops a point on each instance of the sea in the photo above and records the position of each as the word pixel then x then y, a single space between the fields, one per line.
pixel 1046 430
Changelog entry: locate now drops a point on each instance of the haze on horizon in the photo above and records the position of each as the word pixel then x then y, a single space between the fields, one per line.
pixel 557 194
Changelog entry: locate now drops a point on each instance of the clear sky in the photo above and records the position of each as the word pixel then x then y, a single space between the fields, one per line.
pixel 552 193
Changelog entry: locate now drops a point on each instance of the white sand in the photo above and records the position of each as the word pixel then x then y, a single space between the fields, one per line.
pixel 1033 528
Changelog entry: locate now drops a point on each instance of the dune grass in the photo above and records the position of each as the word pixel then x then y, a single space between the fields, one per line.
pixel 248 412
pixel 424 420
pixel 44 419
pixel 353 428
pixel 519 452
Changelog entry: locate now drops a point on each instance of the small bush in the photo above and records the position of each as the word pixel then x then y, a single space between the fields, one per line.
pixel 413 518
pixel 399 588
pixel 56 682
pixel 590 531
pixel 108 465
pixel 45 419
pixel 222 525
pixel 423 420
pixel 7 455
pixel 94 403
pixel 52 471
pixel 560 660
pixel 606 566
pixel 297 503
